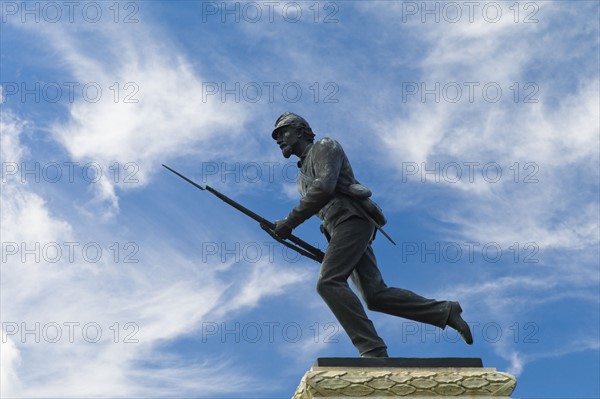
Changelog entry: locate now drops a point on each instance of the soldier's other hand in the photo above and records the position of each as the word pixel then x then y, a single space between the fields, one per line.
pixel 282 229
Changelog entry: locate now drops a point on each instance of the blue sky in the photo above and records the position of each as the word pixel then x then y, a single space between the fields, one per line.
pixel 476 127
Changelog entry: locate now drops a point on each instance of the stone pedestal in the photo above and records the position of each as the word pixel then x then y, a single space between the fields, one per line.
pixel 380 378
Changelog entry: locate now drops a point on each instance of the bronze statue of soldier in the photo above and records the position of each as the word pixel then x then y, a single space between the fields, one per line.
pixel 324 182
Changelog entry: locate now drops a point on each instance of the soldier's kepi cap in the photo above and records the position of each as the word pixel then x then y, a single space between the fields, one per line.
pixel 289 119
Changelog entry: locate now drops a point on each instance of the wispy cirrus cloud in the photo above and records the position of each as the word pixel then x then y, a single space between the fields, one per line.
pixel 556 133
pixel 144 101
pixel 132 309
pixel 556 137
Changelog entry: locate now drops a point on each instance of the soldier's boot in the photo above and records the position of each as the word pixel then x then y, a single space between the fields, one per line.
pixel 377 352
pixel 459 324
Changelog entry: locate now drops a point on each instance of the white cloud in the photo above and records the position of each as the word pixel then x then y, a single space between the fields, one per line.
pixel 145 102
pixel 163 298
pixel 168 296
pixel 519 360
pixel 290 191
pixel 559 135
pixel 24 215
pixel 555 138
pixel 10 362
pixel 516 364
pixel 265 279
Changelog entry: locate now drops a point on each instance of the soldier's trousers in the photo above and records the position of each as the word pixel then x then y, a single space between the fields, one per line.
pixel 350 255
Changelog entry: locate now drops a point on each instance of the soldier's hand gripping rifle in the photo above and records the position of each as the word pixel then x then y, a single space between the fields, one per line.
pixel 302 247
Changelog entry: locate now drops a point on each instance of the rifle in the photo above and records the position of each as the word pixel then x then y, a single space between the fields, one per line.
pixel 302 247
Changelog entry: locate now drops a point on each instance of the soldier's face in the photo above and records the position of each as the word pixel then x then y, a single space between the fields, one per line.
pixel 287 140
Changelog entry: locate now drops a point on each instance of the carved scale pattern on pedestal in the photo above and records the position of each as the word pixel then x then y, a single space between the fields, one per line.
pixel 328 382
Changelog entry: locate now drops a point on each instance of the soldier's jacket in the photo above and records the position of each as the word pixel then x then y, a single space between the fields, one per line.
pixel 325 173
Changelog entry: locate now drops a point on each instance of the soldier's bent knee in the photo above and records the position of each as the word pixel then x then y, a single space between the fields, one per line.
pixel 325 286
pixel 321 287
pixel 372 303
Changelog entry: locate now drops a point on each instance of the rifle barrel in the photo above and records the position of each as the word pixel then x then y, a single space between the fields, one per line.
pixel 318 254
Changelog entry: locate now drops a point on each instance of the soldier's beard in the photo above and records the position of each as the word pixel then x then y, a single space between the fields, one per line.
pixel 287 151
